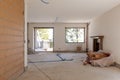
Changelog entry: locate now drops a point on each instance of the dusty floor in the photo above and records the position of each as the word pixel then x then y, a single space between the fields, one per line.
pixel 50 67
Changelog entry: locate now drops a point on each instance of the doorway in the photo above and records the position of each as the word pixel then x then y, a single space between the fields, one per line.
pixel 43 39
pixel 97 43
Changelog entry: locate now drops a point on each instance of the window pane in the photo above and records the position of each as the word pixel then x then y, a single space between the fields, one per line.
pixel 74 34
pixel 81 35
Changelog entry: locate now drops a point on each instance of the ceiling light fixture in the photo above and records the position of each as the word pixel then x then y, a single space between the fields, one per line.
pixel 45 1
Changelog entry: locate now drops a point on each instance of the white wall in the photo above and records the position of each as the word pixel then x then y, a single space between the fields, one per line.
pixel 25 34
pixel 59 35
pixel 109 26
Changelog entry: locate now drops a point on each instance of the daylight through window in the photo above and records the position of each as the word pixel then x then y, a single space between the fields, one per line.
pixel 75 34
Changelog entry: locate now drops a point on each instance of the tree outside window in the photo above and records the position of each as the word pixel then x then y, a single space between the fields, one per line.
pixel 75 35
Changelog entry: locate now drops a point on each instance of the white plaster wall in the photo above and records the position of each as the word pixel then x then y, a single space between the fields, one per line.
pixel 59 35
pixel 109 26
pixel 25 34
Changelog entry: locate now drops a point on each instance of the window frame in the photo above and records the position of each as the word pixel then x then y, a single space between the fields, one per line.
pixel 77 28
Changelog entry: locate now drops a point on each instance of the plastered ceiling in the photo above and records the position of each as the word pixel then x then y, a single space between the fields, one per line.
pixel 70 11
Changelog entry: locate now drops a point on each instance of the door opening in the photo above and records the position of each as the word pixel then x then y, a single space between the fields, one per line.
pixel 43 39
pixel 97 43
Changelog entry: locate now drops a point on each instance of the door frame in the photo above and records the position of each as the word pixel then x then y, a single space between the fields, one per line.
pixel 35 38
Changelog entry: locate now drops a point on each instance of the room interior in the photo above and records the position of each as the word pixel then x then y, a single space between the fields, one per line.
pixel 19 18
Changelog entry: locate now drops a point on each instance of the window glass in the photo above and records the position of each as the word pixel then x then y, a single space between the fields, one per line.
pixel 75 34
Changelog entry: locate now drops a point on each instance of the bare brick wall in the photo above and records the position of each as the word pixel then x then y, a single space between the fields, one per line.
pixel 11 38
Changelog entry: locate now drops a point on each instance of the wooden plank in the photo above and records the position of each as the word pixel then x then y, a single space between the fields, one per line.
pixel 9 24
pixel 11 39
pixel 6 46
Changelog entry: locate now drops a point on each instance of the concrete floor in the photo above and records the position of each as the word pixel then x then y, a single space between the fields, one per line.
pixel 66 70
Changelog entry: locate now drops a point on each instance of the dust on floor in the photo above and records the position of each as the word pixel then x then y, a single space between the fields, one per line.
pixel 58 69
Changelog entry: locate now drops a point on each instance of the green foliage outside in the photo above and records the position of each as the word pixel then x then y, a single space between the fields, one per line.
pixel 43 34
pixel 74 35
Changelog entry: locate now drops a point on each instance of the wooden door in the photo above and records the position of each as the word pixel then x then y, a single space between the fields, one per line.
pixel 11 39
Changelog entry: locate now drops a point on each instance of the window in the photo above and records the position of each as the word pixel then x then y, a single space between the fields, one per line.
pixel 75 34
